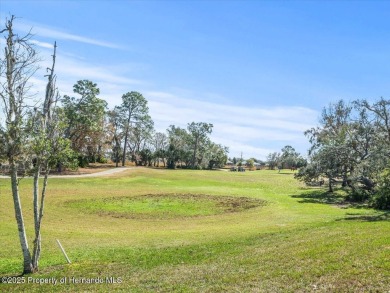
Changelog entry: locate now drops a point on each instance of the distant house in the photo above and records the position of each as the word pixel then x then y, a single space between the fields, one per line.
pixel 229 163
pixel 243 163
pixel 257 166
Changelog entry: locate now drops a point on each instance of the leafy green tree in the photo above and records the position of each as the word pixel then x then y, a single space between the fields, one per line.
pixel 85 117
pixel 330 153
pixel 250 163
pixel 273 160
pixel 184 144
pixel 218 155
pixel 140 137
pixel 330 161
pixel 198 136
pixel 160 144
pixel 382 198
pixel 114 129
pixel 133 111
pixel 178 148
pixel 289 157
pixel 146 157
pixel 349 144
pixel 381 111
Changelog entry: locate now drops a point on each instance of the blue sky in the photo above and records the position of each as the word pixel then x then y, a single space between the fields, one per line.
pixel 260 71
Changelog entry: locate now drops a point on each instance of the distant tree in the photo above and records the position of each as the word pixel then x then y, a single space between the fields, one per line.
pixel 192 148
pixel 178 147
pixel 160 144
pixel 216 155
pixel 273 160
pixel 289 157
pixel 114 128
pixel 198 135
pixel 146 157
pixel 250 163
pixel 85 120
pixel 140 137
pixel 213 155
pixel 134 110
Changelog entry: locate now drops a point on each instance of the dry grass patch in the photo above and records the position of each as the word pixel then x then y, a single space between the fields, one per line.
pixel 165 206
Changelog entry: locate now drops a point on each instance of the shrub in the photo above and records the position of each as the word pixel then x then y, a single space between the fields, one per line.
pixel 83 161
pixel 358 195
pixel 358 190
pixel 382 197
pixel 102 160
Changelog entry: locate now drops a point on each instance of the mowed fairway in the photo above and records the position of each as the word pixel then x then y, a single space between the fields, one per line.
pixel 198 231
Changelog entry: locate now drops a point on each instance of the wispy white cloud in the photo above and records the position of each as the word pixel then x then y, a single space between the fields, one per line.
pixel 248 150
pixel 57 34
pixel 256 131
pixel 42 44
pixel 83 70
pixel 112 81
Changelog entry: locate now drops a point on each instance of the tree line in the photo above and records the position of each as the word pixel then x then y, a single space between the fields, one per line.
pixel 351 145
pixel 287 158
pixel 126 133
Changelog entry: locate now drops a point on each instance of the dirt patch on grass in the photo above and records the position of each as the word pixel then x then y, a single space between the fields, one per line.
pixel 236 204
pixel 166 206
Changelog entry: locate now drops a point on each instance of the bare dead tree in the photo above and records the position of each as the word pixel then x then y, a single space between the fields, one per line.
pixel 24 135
pixel 45 141
pixel 20 62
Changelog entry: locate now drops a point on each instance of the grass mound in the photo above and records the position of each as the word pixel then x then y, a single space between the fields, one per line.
pixel 165 206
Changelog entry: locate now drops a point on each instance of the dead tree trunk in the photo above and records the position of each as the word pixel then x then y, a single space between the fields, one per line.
pixel 27 261
pixel 18 65
pixel 45 132
pixel 25 134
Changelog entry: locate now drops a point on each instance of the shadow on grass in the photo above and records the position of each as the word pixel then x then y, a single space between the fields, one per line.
pixel 320 196
pixel 379 216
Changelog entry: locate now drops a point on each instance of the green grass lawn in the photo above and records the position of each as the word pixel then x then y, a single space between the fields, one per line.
pixel 198 231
